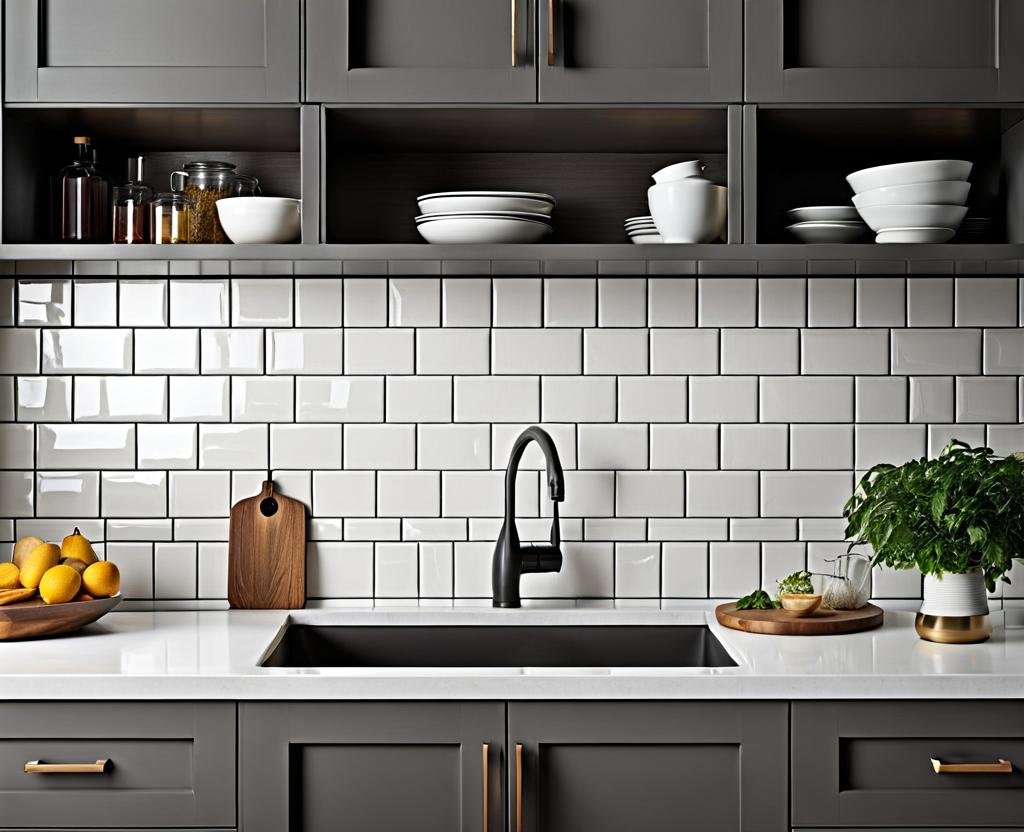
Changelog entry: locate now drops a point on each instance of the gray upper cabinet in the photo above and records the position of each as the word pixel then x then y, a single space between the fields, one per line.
pixel 654 51
pixel 141 51
pixel 608 767
pixel 884 51
pixel 374 767
pixel 398 51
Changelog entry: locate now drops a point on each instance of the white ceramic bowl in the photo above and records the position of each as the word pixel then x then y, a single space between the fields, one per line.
pixel 953 192
pixel 690 210
pixel 915 235
pixel 646 239
pixel 828 232
pixel 823 213
pixel 482 230
pixel 477 201
pixel 881 217
pixel 680 170
pixel 518 215
pixel 909 173
pixel 260 219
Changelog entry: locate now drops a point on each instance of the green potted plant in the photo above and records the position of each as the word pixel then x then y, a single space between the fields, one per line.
pixel 959 518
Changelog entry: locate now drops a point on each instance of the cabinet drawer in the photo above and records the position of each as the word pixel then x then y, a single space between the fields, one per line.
pixel 168 764
pixel 870 763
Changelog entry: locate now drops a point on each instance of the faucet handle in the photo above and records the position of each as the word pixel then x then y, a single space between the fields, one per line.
pixel 540 557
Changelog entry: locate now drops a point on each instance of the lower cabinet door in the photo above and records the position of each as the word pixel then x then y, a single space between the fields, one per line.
pixel 647 766
pixel 372 767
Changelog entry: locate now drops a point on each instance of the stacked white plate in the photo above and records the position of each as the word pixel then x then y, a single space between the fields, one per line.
pixel 826 224
pixel 913 202
pixel 484 217
pixel 642 230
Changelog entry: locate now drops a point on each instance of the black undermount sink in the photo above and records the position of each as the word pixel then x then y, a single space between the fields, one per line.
pixel 304 645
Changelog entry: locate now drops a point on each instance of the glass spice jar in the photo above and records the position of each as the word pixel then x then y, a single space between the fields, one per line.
pixel 204 183
pixel 171 217
pixel 131 206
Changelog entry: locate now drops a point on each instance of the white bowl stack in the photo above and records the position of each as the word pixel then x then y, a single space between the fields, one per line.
pixel 826 224
pixel 913 202
pixel 643 231
pixel 484 217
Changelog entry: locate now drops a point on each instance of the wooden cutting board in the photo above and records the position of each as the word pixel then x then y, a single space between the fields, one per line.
pixel 781 623
pixel 267 552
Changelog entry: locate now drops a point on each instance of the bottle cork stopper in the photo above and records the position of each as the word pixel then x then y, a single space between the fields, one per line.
pixel 81 140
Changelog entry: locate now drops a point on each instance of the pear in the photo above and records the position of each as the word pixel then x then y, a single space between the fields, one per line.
pixel 78 547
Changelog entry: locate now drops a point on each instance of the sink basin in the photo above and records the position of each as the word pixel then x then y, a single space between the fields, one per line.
pixel 306 645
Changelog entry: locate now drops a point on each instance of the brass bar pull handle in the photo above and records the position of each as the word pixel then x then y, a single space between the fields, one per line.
pixel 38 767
pixel 486 763
pixel 999 767
pixel 515 32
pixel 519 787
pixel 551 32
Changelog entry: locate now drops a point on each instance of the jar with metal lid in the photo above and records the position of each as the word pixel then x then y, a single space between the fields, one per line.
pixel 171 219
pixel 205 182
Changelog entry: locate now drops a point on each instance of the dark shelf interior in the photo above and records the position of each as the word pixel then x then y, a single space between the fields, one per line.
pixel 596 162
pixel 805 154
pixel 263 142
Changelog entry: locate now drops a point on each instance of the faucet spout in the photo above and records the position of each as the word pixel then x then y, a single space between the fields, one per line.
pixel 511 558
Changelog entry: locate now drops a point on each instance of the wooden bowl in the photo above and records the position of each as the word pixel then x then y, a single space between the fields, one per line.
pixel 800 605
pixel 34 619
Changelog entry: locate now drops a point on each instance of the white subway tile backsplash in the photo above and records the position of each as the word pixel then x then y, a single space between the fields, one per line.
pixel 339 570
pixel 881 301
pixel 174 570
pixel 760 528
pixel 894 444
pixel 414 301
pixel 588 494
pixel 613 447
pixel 615 529
pixel 818 528
pixel 466 301
pixel 135 563
pixel 6 399
pixel 437 573
pixel 44 398
pixel 930 301
pixel 344 493
pixel 578 399
pixel 67 494
pixel 380 447
pixel 377 352
pixel 44 302
pixel 199 302
pixel 735 569
pixel 482 493
pixel 684 570
pixel 262 399
pixel 936 352
pixel 167 446
pixel 134 494
pixel 753 447
pixel 649 494
pixel 723 399
pixel 232 446
pixel 318 301
pixel 570 302
pixel 339 399
pixel 199 493
pixel 684 447
pixel 760 351
pixel 672 301
pixel 362 529
pixel 261 301
pixel 141 303
pixel 781 301
pixel 408 494
pixel 232 351
pixel 200 399
pixel 305 446
pixel 213 570
pixel 434 528
pixel 493 399
pixel 164 351
pixel 691 352
pixel 19 350
pixel 304 351
pixel 689 528
pixel 419 399
pixel 1006 439
pixel 821 447
pixel 830 301
pixel 805 493
pixel 453 447
pixel 95 302
pixel 1004 352
pixel 453 351
pixel 845 351
pixel 881 399
pixel 71 446
pixel 727 301
pixel 986 301
pixel 622 301
pixel 396 570
pixel 120 399
pixel 931 399
pixel 615 351
pixel 536 351
pixel 652 399
pixel 721 493
pixel 637 570
pixel 806 399
pixel 778 561
pixel 517 301
pixel 366 302
pixel 986 399
pixel 87 351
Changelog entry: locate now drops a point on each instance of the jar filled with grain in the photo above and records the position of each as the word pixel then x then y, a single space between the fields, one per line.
pixel 204 183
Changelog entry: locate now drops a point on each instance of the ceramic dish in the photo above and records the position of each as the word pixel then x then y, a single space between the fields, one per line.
pixel 881 217
pixel 482 230
pixel 800 605
pixel 828 232
pixel 680 170
pixel 909 173
pixel 478 201
pixel 646 227
pixel 645 239
pixel 518 215
pixel 915 235
pixel 260 219
pixel 922 193
pixel 823 213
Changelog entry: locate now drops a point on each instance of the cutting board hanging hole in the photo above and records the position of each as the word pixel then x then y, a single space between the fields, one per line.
pixel 268 507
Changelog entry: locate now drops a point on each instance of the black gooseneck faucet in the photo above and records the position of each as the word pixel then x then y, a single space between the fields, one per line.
pixel 511 558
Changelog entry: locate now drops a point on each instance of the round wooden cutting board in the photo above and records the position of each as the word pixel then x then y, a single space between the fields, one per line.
pixel 781 623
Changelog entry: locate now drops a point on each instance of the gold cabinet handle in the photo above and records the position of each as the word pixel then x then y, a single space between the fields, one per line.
pixel 519 787
pixel 1000 767
pixel 515 27
pixel 551 32
pixel 486 761
pixel 38 767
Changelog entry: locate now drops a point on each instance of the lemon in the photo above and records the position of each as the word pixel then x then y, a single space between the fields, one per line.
pixel 78 565
pixel 10 576
pixel 77 546
pixel 41 558
pixel 59 585
pixel 23 548
pixel 101 580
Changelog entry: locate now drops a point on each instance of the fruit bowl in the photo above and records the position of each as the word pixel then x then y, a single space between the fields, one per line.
pixel 36 619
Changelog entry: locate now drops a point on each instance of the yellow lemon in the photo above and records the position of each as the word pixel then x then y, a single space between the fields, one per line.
pixel 23 548
pixel 59 585
pixel 101 580
pixel 77 546
pixel 78 565
pixel 10 576
pixel 41 558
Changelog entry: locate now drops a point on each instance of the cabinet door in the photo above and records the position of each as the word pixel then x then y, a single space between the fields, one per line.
pixel 420 51
pixel 640 51
pixel 374 767
pixel 183 51
pixel 878 50
pixel 644 766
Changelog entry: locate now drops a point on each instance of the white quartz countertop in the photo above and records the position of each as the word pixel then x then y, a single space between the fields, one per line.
pixel 216 655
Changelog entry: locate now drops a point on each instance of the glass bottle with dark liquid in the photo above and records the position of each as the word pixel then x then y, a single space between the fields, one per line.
pixel 81 198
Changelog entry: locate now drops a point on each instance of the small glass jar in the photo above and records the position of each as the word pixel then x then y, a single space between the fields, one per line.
pixel 171 219
pixel 131 206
